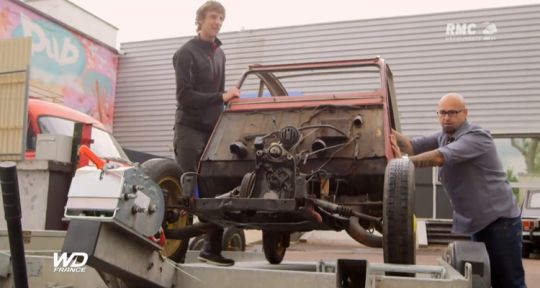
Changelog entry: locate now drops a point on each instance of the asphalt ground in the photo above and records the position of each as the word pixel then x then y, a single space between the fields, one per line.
pixel 330 246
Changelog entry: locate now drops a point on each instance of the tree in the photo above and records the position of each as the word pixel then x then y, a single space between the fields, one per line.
pixel 530 149
pixel 513 178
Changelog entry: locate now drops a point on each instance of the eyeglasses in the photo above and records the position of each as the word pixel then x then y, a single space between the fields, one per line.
pixel 450 113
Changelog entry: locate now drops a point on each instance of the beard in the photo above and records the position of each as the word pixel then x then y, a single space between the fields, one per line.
pixel 448 129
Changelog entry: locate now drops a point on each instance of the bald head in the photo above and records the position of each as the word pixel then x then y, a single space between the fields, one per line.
pixel 452 112
pixel 454 100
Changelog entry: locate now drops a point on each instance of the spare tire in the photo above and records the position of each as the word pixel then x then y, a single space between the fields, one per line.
pixel 399 239
pixel 166 173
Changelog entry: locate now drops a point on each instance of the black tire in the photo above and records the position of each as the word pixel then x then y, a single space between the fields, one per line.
pixel 234 239
pixel 166 173
pixel 274 245
pixel 399 244
pixel 197 243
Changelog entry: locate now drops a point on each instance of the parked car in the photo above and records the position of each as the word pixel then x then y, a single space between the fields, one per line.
pixel 531 223
pixel 299 158
pixel 54 118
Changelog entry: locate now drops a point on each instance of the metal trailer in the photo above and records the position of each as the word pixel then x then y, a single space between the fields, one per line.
pixel 114 211
pixel 116 261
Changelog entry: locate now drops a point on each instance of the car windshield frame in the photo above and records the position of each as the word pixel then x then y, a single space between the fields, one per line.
pixel 103 143
pixel 272 78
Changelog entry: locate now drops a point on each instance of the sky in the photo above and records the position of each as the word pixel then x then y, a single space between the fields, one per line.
pixel 149 20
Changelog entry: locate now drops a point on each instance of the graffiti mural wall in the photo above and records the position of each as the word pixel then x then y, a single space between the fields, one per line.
pixel 65 64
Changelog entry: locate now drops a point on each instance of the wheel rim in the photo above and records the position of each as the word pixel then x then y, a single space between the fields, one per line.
pixel 277 243
pixel 280 246
pixel 234 243
pixel 197 243
pixel 174 190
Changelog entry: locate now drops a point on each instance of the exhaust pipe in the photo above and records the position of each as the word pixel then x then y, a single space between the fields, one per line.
pixel 12 211
pixel 358 233
pixel 355 230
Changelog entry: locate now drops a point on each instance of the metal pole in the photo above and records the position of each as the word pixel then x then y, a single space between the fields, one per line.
pixel 12 211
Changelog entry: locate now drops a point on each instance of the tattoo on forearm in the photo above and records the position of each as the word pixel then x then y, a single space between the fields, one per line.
pixel 428 159
pixel 404 144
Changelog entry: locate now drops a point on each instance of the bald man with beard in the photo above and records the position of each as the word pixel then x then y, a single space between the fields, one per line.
pixel 474 179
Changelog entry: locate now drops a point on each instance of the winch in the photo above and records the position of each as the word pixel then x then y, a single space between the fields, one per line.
pixel 123 195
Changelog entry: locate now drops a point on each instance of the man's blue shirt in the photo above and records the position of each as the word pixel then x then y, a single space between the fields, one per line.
pixel 473 177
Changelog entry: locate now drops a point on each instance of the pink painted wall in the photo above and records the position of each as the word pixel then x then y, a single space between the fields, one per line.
pixel 65 63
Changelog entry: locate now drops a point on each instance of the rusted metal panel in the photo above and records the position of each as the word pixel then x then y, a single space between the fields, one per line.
pixel 304 102
pixel 14 70
pixel 244 126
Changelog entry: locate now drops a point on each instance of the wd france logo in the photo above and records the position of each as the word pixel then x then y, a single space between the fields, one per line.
pixel 471 31
pixel 75 262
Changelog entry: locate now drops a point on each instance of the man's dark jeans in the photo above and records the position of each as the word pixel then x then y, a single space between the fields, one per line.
pixel 503 243
pixel 189 145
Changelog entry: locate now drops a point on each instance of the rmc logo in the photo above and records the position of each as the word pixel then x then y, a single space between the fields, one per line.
pixel 471 31
pixel 460 29
pixel 64 263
